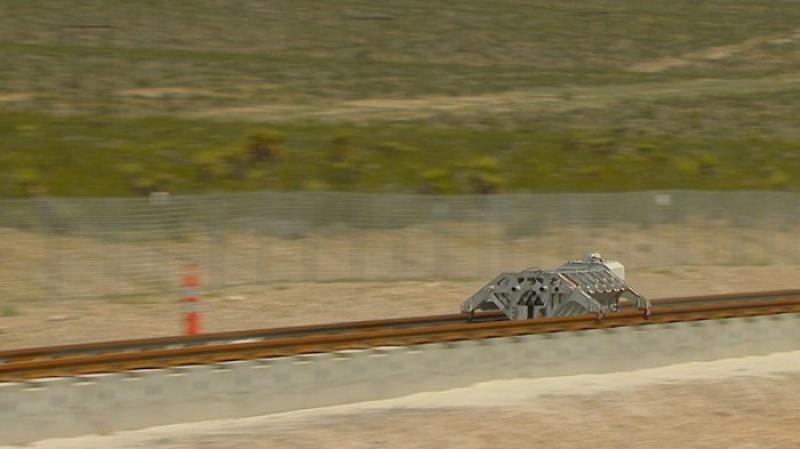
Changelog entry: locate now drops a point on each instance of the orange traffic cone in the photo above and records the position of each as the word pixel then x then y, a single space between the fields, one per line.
pixel 191 298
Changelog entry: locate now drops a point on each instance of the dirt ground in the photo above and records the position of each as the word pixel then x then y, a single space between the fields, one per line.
pixel 50 322
pixel 745 403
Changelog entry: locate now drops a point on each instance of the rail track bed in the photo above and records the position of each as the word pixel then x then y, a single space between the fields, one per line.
pixel 127 355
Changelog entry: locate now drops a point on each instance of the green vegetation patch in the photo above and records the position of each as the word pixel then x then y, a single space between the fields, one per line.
pixel 123 98
pixel 128 156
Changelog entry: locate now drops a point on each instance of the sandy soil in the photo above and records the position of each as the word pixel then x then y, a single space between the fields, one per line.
pixel 752 402
pixel 715 53
pixel 537 100
pixel 50 322
pixel 16 96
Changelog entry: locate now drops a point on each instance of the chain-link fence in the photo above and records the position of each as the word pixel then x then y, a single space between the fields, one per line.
pixel 54 247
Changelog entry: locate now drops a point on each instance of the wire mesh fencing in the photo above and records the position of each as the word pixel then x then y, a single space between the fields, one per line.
pixel 57 247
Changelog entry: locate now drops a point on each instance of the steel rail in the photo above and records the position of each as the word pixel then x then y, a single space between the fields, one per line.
pixel 145 344
pixel 148 344
pixel 279 347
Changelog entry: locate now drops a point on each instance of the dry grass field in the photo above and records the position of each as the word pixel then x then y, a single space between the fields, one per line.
pixel 408 96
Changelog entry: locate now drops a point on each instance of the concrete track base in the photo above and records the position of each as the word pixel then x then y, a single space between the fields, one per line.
pixel 105 403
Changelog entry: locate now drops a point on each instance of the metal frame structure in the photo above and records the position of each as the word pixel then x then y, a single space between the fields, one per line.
pixel 590 285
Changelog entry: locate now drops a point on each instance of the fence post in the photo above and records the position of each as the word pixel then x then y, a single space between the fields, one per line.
pixel 399 252
pixel 54 272
pixel 357 242
pixel 440 211
pixel 481 254
pixel 312 203
pixel 111 255
pixel 215 262
pixel 219 236
pixel 266 248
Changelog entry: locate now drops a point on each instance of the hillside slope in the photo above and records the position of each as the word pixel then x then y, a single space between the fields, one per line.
pixel 477 96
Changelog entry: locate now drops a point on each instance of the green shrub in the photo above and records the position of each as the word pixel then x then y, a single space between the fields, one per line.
pixel 435 181
pixel 231 163
pixel 485 183
pixel 483 175
pixel 27 181
pixel 707 164
pixel 776 178
pixel 264 146
pixel 341 149
pixel 8 310
pixel 342 175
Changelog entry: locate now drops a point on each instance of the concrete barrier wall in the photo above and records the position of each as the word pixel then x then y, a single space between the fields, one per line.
pixel 104 403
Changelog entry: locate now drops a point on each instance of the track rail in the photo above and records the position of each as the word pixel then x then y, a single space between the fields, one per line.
pixel 434 331
pixel 148 344
pixel 251 335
